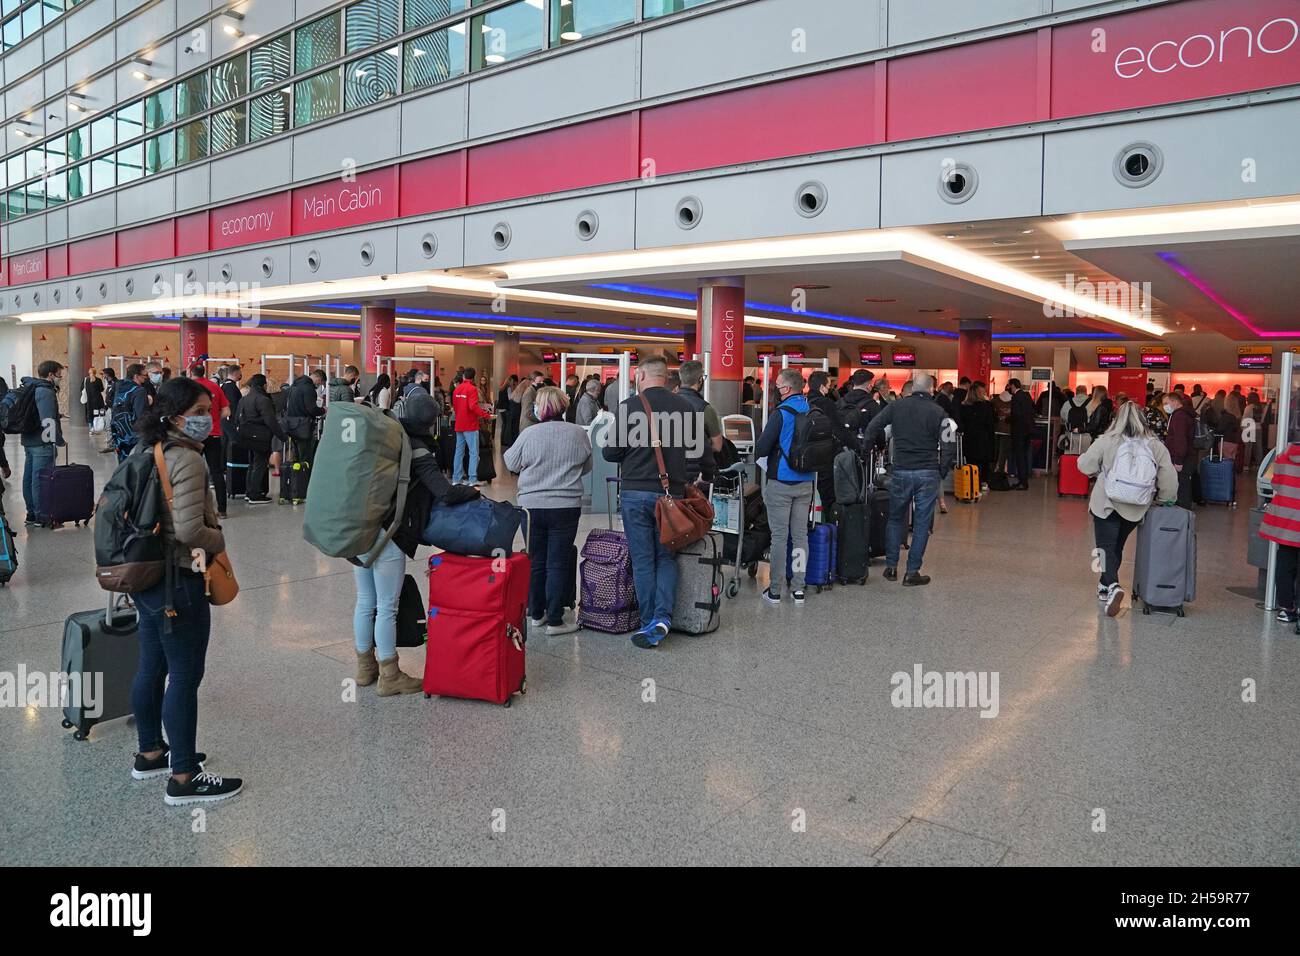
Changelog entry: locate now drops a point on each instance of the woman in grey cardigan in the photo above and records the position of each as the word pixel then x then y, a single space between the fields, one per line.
pixel 550 458
pixel 175 617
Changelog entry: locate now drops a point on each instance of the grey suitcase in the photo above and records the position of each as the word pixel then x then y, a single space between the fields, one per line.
pixel 103 645
pixel 1164 574
pixel 697 607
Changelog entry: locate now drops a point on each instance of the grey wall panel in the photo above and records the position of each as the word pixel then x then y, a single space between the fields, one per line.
pixel 434 120
pixel 100 93
pixel 912 20
pixel 97 55
pixel 92 215
pixel 187 10
pixel 550 229
pixel 260 19
pixel 125 7
pixel 143 285
pixel 86 20
pixel 253 170
pixel 197 55
pixel 59 295
pixel 99 289
pixel 142 31
pixel 305 8
pixel 755 38
pixel 448 245
pixel 1079 166
pixel 129 85
pixel 56 80
pixel 581 81
pixel 192 188
pixel 22 60
pixel 56 225
pixel 151 198
pixel 54 41
pixel 366 139
pixel 341 257
pixel 1008 174
pixel 247 267
pixel 751 205
pixel 26 233
pixel 20 100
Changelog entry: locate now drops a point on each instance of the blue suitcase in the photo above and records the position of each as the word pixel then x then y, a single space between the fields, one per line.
pixel 823 548
pixel 1218 480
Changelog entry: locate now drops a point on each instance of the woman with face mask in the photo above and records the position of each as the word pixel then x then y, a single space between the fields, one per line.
pixel 175 616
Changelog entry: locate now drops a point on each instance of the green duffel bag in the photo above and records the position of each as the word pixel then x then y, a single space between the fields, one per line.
pixel 360 477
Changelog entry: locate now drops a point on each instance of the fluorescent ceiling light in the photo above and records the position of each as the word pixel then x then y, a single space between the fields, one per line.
pixel 1261 215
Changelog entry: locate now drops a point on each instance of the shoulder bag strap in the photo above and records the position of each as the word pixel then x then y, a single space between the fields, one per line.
pixel 654 443
pixel 169 555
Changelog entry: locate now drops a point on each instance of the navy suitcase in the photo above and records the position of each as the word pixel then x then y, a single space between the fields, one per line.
pixel 67 492
pixel 852 559
pixel 1219 480
pixel 236 470
pixel 822 553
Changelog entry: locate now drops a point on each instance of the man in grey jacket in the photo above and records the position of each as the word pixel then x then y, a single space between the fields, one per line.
pixel 345 389
pixel 41 444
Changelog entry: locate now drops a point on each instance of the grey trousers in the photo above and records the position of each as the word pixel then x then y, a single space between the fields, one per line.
pixel 787 516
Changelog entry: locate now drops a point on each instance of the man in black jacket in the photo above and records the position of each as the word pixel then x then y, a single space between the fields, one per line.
pixel 630 442
pixel 691 387
pixel 924 449
pixel 857 407
pixel 819 397
pixel 1022 432
pixel 300 414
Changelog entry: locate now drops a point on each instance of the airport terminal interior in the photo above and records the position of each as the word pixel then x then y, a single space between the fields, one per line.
pixel 1056 197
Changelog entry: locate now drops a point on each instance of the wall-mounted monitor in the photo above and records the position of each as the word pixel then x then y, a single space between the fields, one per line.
pixel 549 357
pixel 1255 358
pixel 1011 357
pixel 904 358
pixel 1112 356
pixel 1157 357
pixel 871 357
pixel 794 353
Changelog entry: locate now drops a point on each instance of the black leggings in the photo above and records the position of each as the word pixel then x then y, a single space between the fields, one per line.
pixel 212 453
pixel 1111 533
pixel 1288 562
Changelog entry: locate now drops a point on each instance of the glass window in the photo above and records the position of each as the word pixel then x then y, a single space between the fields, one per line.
pixel 35 162
pixel 436 56
pixel 229 80
pixel 160 108
pixel 32 19
pixel 423 12
pixel 35 195
pixel 16 167
pixel 15 204
pixel 130 121
pixel 661 8
pixel 505 34
pixel 316 97
pixel 160 152
pixel 9 6
pixel 191 142
pixel 13 36
pixel 77 185
pixel 101 134
pixel 229 128
pixel 584 18
pixel 78 143
pixel 56 190
pixel 372 78
pixel 56 155
pixel 130 163
pixel 268 114
pixel 269 63
pixel 316 43
pixel 370 22
pixel 192 95
pixel 103 173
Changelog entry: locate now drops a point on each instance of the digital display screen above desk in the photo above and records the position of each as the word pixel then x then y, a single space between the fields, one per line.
pixel 1254 363
pixel 1157 360
pixel 1012 359
pixel 1115 359
pixel 905 358
pixel 871 357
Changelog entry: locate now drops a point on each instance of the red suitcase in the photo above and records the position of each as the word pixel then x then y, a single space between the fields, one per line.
pixel 477 627
pixel 1070 480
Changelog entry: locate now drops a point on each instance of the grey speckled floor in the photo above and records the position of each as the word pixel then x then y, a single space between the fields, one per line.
pixel 772 741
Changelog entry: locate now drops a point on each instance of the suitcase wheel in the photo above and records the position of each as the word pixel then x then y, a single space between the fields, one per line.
pixel 733 588
pixel 428 696
pixel 82 732
pixel 67 724
pixel 507 702
pixel 1146 609
pixel 1181 612
pixel 523 686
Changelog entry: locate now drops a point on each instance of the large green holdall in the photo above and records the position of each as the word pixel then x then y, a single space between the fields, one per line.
pixel 359 478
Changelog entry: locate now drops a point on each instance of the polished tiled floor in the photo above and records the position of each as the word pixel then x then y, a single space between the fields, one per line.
pixel 771 741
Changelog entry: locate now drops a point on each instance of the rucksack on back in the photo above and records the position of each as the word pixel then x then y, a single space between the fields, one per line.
pixel 122 421
pixel 18 412
pixel 1131 478
pixel 359 480
pixel 812 446
pixel 129 553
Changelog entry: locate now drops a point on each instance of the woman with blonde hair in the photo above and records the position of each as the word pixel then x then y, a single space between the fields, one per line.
pixel 550 458
pixel 1135 472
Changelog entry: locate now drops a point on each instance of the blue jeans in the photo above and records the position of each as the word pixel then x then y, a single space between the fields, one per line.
pixel 904 487
pixel 551 533
pixel 38 458
pixel 379 588
pixel 468 440
pixel 166 688
pixel 654 567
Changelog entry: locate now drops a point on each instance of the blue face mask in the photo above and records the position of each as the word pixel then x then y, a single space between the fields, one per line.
pixel 198 427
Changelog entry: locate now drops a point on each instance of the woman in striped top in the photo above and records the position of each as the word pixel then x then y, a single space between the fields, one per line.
pixel 1282 524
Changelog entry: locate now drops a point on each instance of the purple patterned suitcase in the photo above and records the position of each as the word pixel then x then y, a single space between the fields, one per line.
pixel 608 596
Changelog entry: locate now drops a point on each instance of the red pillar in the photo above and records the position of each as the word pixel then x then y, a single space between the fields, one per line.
pixel 378 333
pixel 194 341
pixel 975 349
pixel 720 331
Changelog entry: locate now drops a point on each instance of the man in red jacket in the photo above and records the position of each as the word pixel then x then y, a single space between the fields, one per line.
pixel 465 406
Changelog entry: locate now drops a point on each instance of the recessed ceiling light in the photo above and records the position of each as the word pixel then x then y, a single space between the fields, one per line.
pixel 876 298
pixel 808 286
pixel 950 235
pixel 1025 232
pixel 1035 256
pixel 1004 242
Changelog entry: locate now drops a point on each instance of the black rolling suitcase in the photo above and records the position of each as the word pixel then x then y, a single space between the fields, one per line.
pixel 446 445
pixel 854 519
pixel 295 473
pixel 101 649
pixel 67 492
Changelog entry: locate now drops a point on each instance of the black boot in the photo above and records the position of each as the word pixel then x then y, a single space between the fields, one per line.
pixel 915 579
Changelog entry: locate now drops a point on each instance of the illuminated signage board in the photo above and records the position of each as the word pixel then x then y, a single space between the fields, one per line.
pixel 549 357
pixel 904 357
pixel 1157 356
pixel 873 357
pixel 794 353
pixel 1012 356
pixel 1112 356
pixel 1255 358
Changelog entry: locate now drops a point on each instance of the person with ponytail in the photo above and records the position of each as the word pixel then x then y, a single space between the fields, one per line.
pixel 175 616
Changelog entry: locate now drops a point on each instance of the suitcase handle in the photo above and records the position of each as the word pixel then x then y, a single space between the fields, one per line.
pixel 610 480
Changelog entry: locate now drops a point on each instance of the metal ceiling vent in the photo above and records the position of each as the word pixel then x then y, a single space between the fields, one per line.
pixel 501 235
pixel 689 212
pixel 957 182
pixel 810 199
pixel 1138 164
pixel 587 224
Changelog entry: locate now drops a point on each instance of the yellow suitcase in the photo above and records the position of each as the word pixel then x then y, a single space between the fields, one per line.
pixel 966 483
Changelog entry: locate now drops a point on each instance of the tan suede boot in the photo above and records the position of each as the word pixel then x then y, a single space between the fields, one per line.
pixel 393 680
pixel 367 668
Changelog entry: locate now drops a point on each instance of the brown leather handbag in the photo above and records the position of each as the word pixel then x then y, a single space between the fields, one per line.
pixel 681 521
pixel 219 582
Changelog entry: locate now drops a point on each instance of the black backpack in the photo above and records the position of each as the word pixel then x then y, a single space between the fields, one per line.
pixel 129 553
pixel 812 446
pixel 123 420
pixel 18 413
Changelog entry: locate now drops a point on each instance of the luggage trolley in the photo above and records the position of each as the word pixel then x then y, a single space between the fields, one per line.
pixel 727 496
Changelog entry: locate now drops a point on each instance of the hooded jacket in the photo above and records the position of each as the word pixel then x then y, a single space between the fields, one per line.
pixel 47 410
pixel 341 391
pixel 1076 413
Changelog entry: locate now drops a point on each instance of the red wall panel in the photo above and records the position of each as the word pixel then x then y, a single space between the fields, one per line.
pixel 192 234
pixel 146 243
pixel 810 114
pixel 27 267
pixel 1179 51
pixel 57 262
pixel 587 154
pixel 337 204
pixel 4 272
pixel 254 220
pixel 976 86
pixel 433 184
pixel 92 255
